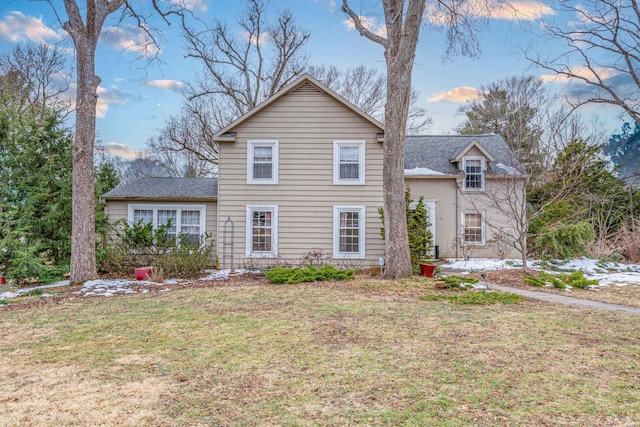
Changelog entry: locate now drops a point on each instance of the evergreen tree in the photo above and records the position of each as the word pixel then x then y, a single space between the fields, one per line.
pixel 35 195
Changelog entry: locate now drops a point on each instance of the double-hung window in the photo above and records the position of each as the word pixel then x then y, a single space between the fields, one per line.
pixel 349 232
pixel 473 228
pixel 348 162
pixel 262 231
pixel 187 220
pixel 473 170
pixel 262 162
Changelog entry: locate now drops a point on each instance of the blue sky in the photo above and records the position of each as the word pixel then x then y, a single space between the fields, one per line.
pixel 135 98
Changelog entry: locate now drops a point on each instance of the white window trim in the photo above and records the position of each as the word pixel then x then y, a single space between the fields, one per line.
pixel 482 170
pixel 274 231
pixel 484 230
pixel 251 144
pixel 169 206
pixel 336 162
pixel 361 232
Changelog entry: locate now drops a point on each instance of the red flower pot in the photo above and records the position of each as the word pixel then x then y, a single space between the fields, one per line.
pixel 427 270
pixel 2 281
pixel 142 273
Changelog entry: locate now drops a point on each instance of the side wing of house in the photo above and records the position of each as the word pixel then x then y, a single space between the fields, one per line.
pixel 297 177
pixel 189 204
pixel 475 200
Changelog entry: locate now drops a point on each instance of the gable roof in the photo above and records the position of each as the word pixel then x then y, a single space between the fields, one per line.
pixel 474 143
pixel 304 79
pixel 166 188
pixel 433 154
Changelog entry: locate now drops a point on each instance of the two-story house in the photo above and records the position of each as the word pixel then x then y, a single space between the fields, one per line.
pixel 302 172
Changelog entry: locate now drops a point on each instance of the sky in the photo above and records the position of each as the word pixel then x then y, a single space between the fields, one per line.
pixel 136 97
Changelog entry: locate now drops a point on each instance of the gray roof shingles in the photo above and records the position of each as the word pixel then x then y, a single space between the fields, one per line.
pixel 436 151
pixel 166 188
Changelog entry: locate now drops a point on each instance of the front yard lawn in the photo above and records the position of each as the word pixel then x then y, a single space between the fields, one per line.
pixel 316 355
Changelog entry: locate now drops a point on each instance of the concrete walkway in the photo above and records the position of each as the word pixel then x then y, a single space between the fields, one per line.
pixel 561 299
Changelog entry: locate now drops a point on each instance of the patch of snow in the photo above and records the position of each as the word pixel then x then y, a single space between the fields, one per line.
pixel 421 172
pixel 508 169
pixel 108 288
pixel 607 274
pixel 481 264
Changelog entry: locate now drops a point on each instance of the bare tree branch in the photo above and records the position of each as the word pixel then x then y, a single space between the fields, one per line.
pixel 602 59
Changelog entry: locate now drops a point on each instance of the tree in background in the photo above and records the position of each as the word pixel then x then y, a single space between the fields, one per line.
pixel 43 72
pixel 511 108
pixel 403 19
pixel 582 200
pixel 366 88
pixel 624 151
pixel 239 73
pixel 603 52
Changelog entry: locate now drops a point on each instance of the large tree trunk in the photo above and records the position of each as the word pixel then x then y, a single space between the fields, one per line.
pixel 83 247
pixel 395 218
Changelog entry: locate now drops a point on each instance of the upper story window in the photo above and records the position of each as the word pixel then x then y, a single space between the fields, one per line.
pixel 348 162
pixel 185 220
pixel 262 162
pixel 474 175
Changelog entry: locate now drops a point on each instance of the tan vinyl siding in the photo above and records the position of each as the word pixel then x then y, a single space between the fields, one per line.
pixel 305 122
pixel 449 214
pixel 118 210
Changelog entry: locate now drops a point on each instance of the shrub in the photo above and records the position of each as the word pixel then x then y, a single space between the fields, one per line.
pixel 418 230
pixel 575 279
pixel 478 298
pixel 455 282
pixel 308 273
pixel 140 245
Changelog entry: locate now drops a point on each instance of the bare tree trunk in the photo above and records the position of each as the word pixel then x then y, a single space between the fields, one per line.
pixel 396 111
pixel 403 18
pixel 83 248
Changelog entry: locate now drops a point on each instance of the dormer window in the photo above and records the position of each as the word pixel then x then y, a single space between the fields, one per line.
pixel 474 176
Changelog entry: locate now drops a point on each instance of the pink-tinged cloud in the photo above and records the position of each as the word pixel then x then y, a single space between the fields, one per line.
pixel 602 73
pixel 121 150
pixel 17 27
pixel 166 84
pixel 459 94
pixel 371 24
pixel 524 10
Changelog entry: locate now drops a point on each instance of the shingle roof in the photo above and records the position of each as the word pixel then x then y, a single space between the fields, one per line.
pixel 434 152
pixel 166 188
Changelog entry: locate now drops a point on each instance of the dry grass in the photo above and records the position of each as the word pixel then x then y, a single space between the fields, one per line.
pixel 316 355
pixel 613 294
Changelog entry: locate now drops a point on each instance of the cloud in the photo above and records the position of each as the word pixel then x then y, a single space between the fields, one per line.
pixel 526 10
pixel 121 150
pixel 458 94
pixel 16 27
pixel 197 5
pixel 370 23
pixel 166 84
pixel 264 37
pixel 603 72
pixel 330 4
pixel 130 38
